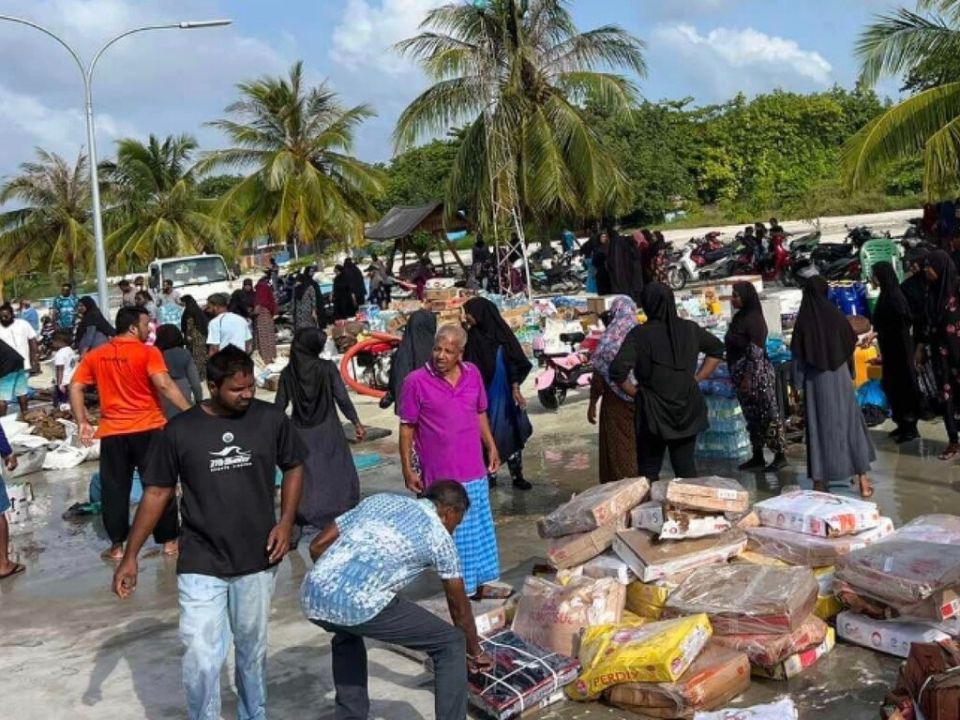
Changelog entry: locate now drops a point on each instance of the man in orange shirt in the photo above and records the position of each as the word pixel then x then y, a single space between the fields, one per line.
pixel 130 377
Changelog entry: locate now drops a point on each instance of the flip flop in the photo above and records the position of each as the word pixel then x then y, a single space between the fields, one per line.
pixel 950 454
pixel 17 569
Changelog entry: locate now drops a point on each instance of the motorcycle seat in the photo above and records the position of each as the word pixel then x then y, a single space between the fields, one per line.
pixel 572 338
pixel 714 255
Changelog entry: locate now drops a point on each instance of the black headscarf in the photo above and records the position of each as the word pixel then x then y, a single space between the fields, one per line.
pixel 748 325
pixel 625 264
pixel 489 334
pixel 822 336
pixel 892 303
pixel 307 378
pixel 943 289
pixel 415 349
pixel 92 317
pixel 192 310
pixel 660 306
pixel 355 278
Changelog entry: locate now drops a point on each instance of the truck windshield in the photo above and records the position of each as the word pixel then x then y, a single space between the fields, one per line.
pixel 196 271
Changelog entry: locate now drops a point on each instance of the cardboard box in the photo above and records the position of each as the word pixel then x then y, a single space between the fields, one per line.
pixel 810 550
pixel 712 494
pixel 651 560
pixel 490 616
pixel 599 505
pixel 715 678
pixel 930 676
pixel 747 598
pixel 939 529
pixel 600 305
pixel 608 565
pixel 768 651
pixel 901 571
pixel 552 616
pixel 940 606
pixel 818 513
pixel 572 550
pixel 796 664
pixel 676 524
pixel 886 636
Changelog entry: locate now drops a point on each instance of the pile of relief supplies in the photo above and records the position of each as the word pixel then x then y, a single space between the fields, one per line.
pixel 668 600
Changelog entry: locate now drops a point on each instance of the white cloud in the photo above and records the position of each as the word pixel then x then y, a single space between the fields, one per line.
pixel 725 61
pixel 369 29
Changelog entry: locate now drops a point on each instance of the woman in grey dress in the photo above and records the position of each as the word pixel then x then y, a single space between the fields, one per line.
pixel 314 388
pixel 180 365
pixel 838 444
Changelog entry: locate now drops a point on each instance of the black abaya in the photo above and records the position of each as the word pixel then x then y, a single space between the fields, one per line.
pixel 892 321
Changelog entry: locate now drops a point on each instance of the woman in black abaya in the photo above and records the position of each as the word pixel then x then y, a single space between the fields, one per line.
pixel 893 323
pixel 314 389
pixel 416 348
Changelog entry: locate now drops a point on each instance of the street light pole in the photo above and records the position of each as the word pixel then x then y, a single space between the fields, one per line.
pixel 86 73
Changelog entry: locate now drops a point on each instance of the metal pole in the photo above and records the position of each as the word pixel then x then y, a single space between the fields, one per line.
pixel 87 75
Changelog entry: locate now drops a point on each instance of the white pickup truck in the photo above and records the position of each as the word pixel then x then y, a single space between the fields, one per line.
pixel 197 275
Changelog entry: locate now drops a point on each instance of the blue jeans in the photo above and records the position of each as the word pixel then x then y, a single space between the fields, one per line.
pixel 213 611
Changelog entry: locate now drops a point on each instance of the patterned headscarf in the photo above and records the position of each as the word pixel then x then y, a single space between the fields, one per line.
pixel 623 314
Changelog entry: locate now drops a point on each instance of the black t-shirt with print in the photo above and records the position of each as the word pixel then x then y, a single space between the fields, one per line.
pixel 226 466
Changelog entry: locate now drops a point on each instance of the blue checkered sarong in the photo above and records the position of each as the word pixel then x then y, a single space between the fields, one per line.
pixel 476 539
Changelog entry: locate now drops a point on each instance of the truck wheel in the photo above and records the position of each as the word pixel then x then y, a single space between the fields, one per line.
pixel 552 397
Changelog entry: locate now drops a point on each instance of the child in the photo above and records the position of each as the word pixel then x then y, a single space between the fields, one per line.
pixel 64 363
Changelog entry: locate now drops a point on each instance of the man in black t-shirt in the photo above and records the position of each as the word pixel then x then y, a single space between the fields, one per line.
pixel 224 452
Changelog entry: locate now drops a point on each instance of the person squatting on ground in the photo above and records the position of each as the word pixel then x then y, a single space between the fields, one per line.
pixel 130 378
pixel 224 453
pixel 443 433
pixel 373 552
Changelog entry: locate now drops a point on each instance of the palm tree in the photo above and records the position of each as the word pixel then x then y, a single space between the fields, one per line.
pixel 297 140
pixel 905 43
pixel 156 209
pixel 51 228
pixel 516 74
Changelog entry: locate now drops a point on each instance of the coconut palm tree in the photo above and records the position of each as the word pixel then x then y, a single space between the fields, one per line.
pixel 516 75
pixel 156 209
pixel 903 43
pixel 51 228
pixel 297 140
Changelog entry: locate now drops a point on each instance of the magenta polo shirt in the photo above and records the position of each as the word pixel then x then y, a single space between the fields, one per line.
pixel 446 422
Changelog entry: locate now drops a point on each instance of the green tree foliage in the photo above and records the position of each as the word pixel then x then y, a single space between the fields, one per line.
pixel 304 184
pixel 51 227
pixel 419 175
pixel 156 210
pixel 515 75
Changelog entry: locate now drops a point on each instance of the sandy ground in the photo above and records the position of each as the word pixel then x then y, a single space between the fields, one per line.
pixel 72 650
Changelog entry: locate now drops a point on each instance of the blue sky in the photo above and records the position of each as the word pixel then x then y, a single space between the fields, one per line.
pixel 174 81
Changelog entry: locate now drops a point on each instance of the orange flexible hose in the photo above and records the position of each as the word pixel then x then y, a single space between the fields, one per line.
pixel 358 387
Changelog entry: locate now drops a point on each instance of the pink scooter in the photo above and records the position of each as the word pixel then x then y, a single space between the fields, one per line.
pixel 562 371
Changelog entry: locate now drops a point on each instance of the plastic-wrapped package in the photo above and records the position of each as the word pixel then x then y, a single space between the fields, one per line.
pixel 938 529
pixel 900 571
pixel 767 650
pixel 490 616
pixel 810 550
pixel 651 560
pixel 745 599
pixel 676 524
pixel 797 663
pixel 827 607
pixel 608 565
pixel 932 676
pixel 941 605
pixel 552 616
pixel 572 550
pixel 886 636
pixel 781 710
pixel 712 494
pixel 525 677
pixel 654 652
pixel 818 513
pixel 752 557
pixel 593 508
pixel 715 678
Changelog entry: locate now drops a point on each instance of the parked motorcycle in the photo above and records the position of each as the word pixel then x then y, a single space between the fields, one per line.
pixel 834 261
pixel 701 260
pixel 560 274
pixel 562 372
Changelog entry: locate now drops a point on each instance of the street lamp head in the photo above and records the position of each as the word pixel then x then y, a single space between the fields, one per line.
pixel 194 24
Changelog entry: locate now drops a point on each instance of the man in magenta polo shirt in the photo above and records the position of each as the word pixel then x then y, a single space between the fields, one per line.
pixel 443 431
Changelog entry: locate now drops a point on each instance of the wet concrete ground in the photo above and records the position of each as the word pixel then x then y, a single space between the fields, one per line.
pixel 70 649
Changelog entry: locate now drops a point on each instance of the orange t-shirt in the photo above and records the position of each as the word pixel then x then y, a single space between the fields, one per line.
pixel 121 370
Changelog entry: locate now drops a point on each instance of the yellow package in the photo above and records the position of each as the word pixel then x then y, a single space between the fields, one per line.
pixel 827 607
pixel 755 558
pixel 654 652
pixel 651 612
pixel 647 594
pixel 629 618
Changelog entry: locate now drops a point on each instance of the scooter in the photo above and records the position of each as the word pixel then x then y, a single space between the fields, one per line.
pixel 702 260
pixel 562 372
